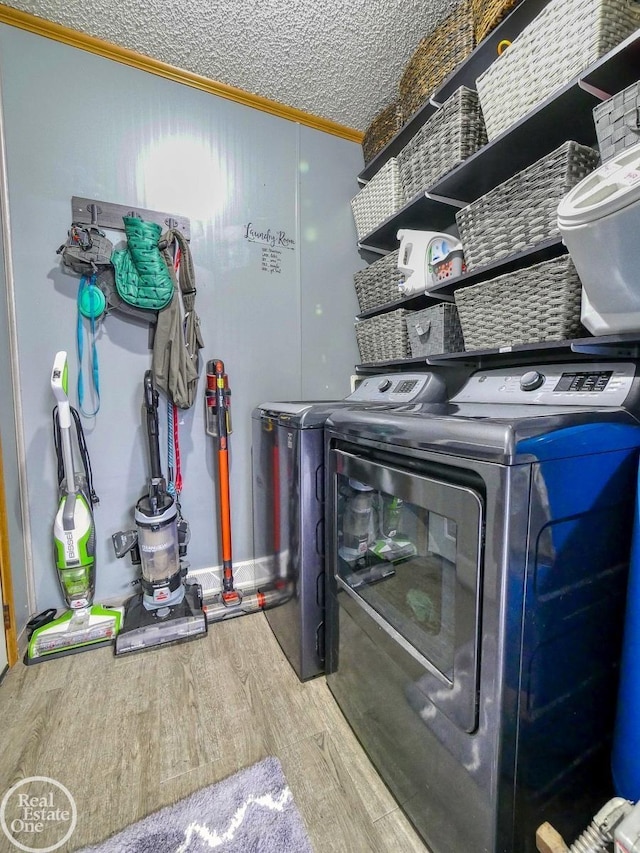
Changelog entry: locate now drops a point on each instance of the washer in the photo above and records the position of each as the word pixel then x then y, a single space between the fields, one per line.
pixel 288 503
pixel 477 659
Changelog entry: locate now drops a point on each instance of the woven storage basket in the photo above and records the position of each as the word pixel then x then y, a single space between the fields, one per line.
pixel 453 133
pixel 379 199
pixel 384 127
pixel 378 283
pixel 540 303
pixel 618 122
pixel 565 38
pixel 434 330
pixel 435 58
pixel 383 338
pixel 522 212
pixel 487 14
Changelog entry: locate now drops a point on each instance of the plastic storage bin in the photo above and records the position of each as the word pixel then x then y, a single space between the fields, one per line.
pixel 435 330
pixel 600 224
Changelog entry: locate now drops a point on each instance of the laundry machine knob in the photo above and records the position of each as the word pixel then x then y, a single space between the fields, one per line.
pixel 384 385
pixel 531 380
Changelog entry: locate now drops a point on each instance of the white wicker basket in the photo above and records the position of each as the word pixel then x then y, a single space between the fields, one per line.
pixel 563 40
pixel 379 199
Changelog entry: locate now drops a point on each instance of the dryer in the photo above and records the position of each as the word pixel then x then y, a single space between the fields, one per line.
pixel 477 662
pixel 288 502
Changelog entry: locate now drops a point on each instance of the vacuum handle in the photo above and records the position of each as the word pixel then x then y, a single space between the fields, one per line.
pixel 153 433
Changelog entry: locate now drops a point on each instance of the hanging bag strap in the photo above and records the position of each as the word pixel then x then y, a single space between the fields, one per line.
pixel 88 286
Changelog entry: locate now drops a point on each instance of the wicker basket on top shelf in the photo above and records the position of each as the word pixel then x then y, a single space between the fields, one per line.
pixel 539 303
pixel 487 14
pixel 522 212
pixel 437 55
pixel 384 127
pixel 453 133
pixel 564 39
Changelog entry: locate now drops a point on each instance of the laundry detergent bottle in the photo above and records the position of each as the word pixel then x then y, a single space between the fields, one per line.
pixel 357 521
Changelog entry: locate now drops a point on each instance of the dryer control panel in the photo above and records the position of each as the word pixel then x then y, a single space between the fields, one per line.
pixel 572 384
pixel 400 388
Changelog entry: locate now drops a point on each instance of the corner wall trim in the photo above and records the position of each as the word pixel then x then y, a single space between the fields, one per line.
pixel 74 38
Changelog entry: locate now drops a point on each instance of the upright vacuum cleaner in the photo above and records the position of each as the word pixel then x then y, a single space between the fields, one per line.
pixel 84 625
pixel 230 601
pixel 167 610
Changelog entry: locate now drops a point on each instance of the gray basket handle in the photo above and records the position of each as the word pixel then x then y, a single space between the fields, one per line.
pixel 421 330
pixel 633 122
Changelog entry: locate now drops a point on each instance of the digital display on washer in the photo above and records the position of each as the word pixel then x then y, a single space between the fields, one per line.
pixel 584 381
pixel 406 386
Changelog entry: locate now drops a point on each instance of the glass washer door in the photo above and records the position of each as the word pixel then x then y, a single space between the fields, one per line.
pixel 408 552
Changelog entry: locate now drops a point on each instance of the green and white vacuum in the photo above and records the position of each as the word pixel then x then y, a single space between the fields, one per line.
pixel 83 625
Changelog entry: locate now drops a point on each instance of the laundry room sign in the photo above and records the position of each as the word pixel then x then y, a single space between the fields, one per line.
pixel 274 245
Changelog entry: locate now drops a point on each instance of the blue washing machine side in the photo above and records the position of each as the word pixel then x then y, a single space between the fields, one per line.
pixel 591 440
pixel 625 761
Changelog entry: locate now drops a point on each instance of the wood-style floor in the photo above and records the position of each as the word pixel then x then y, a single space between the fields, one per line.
pixel 128 736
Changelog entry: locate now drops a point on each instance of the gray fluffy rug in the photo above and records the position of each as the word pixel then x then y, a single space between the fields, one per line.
pixel 250 812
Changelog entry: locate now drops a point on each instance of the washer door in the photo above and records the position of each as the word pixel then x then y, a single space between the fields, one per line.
pixel 408 553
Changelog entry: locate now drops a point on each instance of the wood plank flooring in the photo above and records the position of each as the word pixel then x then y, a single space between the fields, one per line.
pixel 128 736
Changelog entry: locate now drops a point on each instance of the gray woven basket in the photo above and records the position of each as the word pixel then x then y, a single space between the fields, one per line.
pixel 383 338
pixel 522 212
pixel 378 283
pixel 453 133
pixel 564 39
pixel 379 199
pixel 540 303
pixel 434 330
pixel 618 122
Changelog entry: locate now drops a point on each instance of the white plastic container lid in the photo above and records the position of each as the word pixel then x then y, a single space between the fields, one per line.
pixel 610 188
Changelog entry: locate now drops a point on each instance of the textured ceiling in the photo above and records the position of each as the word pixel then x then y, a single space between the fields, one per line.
pixel 338 60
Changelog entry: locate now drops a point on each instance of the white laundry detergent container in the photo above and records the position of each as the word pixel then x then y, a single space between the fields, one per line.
pixel 413 260
pixel 600 224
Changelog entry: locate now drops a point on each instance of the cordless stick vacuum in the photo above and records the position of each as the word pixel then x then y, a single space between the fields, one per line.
pixel 229 602
pixel 84 625
pixel 168 610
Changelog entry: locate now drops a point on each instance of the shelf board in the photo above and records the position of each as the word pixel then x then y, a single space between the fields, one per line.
pixel 617 69
pixel 567 114
pixel 551 248
pixel 409 303
pixel 464 75
pixel 580 349
pixel 622 346
pixel 422 211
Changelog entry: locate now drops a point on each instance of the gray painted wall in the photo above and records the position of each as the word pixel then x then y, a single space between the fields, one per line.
pixel 10 455
pixel 133 138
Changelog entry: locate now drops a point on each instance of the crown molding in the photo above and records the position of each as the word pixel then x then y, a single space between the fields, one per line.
pixel 73 38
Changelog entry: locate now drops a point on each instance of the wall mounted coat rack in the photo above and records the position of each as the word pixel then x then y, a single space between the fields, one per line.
pixel 105 214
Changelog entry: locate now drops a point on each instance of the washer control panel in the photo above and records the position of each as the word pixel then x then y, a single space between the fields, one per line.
pixel 575 384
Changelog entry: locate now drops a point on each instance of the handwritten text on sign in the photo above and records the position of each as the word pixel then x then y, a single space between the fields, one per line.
pixel 273 243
